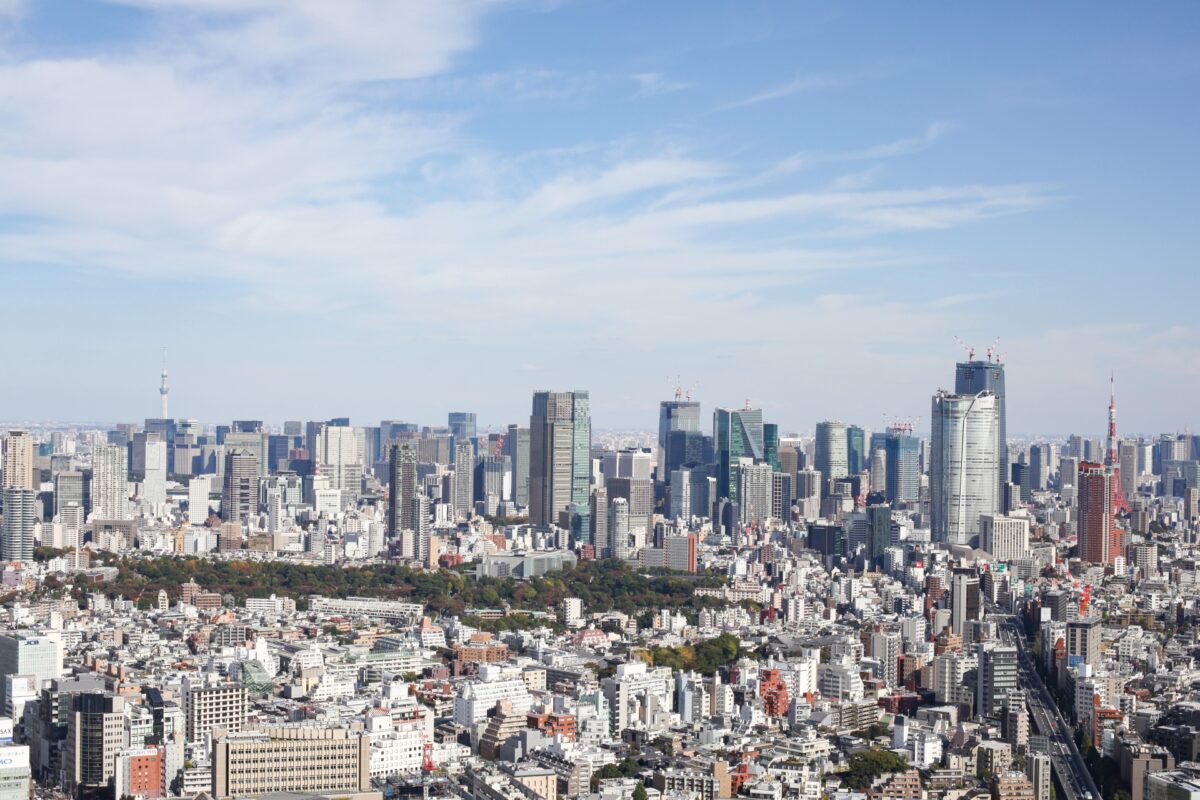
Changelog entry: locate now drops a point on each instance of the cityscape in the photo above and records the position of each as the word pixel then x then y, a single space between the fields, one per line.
pixel 580 400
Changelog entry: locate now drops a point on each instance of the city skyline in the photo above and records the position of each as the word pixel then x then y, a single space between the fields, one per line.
pixel 317 188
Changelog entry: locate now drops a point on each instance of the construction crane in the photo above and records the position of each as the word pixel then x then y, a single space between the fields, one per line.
pixel 994 350
pixel 970 350
pixel 427 768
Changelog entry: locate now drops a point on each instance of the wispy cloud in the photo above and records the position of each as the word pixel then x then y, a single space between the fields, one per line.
pixel 654 84
pixel 797 85
pixel 893 149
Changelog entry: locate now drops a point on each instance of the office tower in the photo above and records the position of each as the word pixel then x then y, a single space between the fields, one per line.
pixel 95 735
pixel 1127 459
pixel 618 529
pixel 601 539
pixel 421 528
pixel 154 476
pixel 338 448
pixel 36 654
pixel 737 434
pixel 771 444
pixel 256 443
pixel 754 491
pixel 16 530
pixel 464 472
pixel 963 479
pixel 674 415
pixel 488 482
pixel 1022 481
pixel 18 461
pixel 1100 540
pixel 462 426
pixel 687 448
pixel 199 489
pixel 402 488
pixel 975 377
pixel 1039 467
pixel 1005 537
pixel 903 456
pixel 781 496
pixel 110 485
pixel 1083 641
pixel 70 487
pixel 516 447
pixel 628 464
pixel 878 471
pixel 830 456
pixel 879 522
pixel 639 493
pixel 966 602
pixel 856 449
pixel 560 454
pixel 239 500
pixel 998 677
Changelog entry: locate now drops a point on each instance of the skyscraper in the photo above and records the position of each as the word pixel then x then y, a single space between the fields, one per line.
pixel 737 434
pixel 560 454
pixel 973 377
pixel 516 447
pixel 338 447
pixel 18 461
pixel 464 473
pixel 903 456
pixel 461 425
pixel 1100 540
pixel 964 482
pixel 110 485
pixel 402 488
pixel 856 449
pixel 830 456
pixel 674 415
pixel 154 475
pixel 239 499
pixel 16 532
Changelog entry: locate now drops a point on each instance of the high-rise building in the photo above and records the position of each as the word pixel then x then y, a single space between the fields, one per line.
pixel 755 487
pixel 674 415
pixel 830 456
pixel 903 471
pixel 600 534
pixel 110 482
pixel 29 653
pixel 975 377
pixel 516 447
pixel 879 520
pixel 464 472
pixel 71 487
pixel 18 461
pixel 1127 459
pixel 560 454
pixel 199 489
pixel 95 735
pixel 966 602
pixel 239 500
pixel 402 488
pixel 737 434
pixel 964 482
pixel 154 476
pixel 1006 538
pixel 856 449
pixel 998 678
pixel 1100 540
pixel 1083 641
pixel 462 426
pixel 341 461
pixel 16 530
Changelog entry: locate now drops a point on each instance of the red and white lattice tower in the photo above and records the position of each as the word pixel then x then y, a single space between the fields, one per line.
pixel 1111 457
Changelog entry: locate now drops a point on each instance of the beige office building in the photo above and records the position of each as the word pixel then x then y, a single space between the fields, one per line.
pixel 300 759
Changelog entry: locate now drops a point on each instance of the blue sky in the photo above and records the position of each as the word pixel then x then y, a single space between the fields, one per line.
pixel 391 210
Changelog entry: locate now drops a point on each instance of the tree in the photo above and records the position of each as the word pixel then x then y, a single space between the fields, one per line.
pixel 866 766
pixel 639 793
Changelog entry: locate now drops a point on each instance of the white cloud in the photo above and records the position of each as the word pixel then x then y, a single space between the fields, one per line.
pixel 797 85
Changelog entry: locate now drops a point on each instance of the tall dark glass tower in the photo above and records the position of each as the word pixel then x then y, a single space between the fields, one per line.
pixel 973 377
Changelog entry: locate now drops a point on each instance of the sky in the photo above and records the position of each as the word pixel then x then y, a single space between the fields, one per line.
pixel 389 210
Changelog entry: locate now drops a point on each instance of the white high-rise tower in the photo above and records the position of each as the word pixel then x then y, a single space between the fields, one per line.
pixel 162 389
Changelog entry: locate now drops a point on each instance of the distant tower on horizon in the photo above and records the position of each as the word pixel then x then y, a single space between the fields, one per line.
pixel 1111 458
pixel 162 389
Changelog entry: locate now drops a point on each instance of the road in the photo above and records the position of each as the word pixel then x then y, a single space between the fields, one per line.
pixel 1073 775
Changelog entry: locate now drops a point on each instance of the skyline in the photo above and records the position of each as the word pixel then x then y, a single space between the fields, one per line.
pixel 323 209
